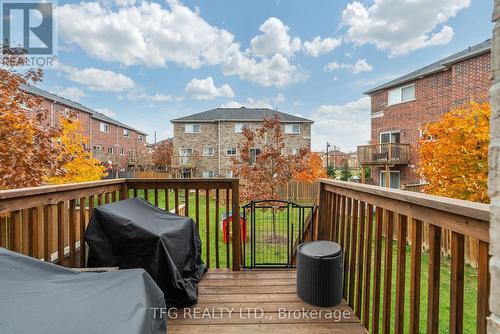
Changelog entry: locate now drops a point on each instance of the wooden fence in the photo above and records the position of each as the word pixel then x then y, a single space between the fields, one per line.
pixel 298 191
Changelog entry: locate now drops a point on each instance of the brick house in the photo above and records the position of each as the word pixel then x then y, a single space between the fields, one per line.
pixel 109 139
pixel 205 142
pixel 403 106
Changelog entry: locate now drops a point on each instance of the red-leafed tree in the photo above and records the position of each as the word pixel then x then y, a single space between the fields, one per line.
pixel 28 154
pixel 261 165
pixel 163 154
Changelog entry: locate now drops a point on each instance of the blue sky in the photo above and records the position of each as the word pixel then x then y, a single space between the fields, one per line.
pixel 145 63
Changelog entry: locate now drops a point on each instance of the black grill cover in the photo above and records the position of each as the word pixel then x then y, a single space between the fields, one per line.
pixel 319 273
pixel 41 297
pixel 135 234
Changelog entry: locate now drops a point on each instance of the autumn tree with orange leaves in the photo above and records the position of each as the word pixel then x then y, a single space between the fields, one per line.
pixel 78 165
pixel 262 172
pixel 312 170
pixel 27 153
pixel 454 153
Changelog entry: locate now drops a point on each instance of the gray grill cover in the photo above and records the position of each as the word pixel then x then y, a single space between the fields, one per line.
pixel 319 273
pixel 40 297
pixel 135 234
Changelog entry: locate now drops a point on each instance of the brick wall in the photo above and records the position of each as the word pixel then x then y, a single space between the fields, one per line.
pixel 90 128
pixel 220 162
pixel 434 96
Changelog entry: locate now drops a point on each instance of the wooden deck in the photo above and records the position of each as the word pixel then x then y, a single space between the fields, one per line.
pixel 255 298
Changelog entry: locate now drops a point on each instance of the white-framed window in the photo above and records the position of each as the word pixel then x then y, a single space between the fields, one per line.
pixel 401 94
pixel 122 151
pixel 292 128
pixel 104 127
pixel 185 154
pixel 208 152
pixel 130 153
pixel 295 151
pixel 126 133
pixel 140 137
pixel 390 137
pixel 208 174
pixel 98 147
pixel 229 174
pixel 254 152
pixel 231 151
pixel 192 128
pixel 238 127
pixel 395 180
pixel 111 150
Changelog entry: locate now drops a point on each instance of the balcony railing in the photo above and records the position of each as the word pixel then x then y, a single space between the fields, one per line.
pixel 49 222
pixel 363 218
pixel 384 154
pixel 382 233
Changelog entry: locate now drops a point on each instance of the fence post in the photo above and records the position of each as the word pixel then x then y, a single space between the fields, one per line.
pixel 124 190
pixel 235 191
pixel 322 212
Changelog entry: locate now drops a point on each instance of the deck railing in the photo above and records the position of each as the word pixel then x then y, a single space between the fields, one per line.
pixel 49 222
pixel 367 221
pixel 384 154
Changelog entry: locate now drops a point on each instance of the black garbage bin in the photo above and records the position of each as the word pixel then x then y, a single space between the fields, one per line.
pixel 319 273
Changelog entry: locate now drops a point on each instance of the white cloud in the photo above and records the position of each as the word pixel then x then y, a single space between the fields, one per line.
pixel 400 27
pixel 136 96
pixel 275 71
pixel 256 103
pixel 205 89
pixel 351 122
pixel 318 46
pixel 72 93
pixel 361 65
pixel 275 39
pixel 148 34
pixel 96 79
pixel 107 112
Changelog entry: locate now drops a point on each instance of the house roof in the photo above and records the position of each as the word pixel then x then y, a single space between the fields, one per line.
pixel 440 65
pixel 240 114
pixel 75 105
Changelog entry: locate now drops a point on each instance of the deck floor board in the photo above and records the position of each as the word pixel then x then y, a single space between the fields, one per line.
pixel 257 301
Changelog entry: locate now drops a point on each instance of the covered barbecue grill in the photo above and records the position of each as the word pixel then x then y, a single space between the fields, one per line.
pixel 135 234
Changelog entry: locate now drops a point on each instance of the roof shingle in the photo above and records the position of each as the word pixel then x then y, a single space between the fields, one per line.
pixel 240 114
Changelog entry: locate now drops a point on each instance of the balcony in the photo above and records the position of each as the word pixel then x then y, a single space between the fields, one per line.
pixel 384 154
pixel 386 285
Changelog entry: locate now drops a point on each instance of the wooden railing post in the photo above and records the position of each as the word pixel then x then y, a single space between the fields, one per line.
pixel 235 191
pixel 322 217
pixel 124 191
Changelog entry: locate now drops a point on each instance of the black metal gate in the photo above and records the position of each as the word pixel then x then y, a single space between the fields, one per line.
pixel 273 229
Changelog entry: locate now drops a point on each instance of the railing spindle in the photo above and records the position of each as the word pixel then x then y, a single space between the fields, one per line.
pixel 368 266
pixel 167 200
pixel 377 271
pixel 72 233
pixel 386 314
pixel 342 222
pixel 156 197
pixel 15 231
pixel 433 283
pixel 483 288
pixel 207 225
pixel 82 231
pixel 216 226
pixel 146 194
pixel 186 202
pixel 416 256
pixel 352 269
pixel 46 232
pixel 176 200
pixel 457 283
pixel 401 273
pixel 60 233
pixel 228 226
pixel 197 208
pixel 360 259
pixel 347 247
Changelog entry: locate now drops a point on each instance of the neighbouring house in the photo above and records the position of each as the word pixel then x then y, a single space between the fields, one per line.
pixel 204 143
pixel 111 141
pixel 402 107
pixel 338 159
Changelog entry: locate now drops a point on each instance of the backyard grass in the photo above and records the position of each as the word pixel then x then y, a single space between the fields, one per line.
pixel 276 251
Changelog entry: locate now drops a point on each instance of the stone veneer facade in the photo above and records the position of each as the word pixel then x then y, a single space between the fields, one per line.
pixel 221 135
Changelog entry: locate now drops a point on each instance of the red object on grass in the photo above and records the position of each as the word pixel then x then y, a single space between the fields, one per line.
pixel 225 225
